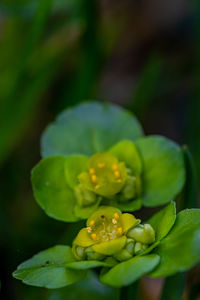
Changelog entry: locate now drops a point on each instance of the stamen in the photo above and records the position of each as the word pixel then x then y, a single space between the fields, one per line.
pixel 114 221
pixel 117 174
pixel 89 229
pixel 114 167
pixel 94 178
pixel 97 186
pixel 119 180
pixel 94 236
pixel 116 216
pixel 92 171
pixel 119 230
pixel 92 223
pixel 101 165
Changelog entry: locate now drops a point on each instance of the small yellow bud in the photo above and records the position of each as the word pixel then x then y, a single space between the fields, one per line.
pixel 94 178
pixel 117 174
pixel 94 236
pixel 114 167
pixel 92 223
pixel 92 171
pixel 116 216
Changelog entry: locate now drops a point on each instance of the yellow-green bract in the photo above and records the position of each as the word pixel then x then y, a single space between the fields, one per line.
pixel 95 154
pixel 176 249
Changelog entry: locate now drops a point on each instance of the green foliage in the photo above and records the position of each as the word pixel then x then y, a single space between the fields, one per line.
pixel 180 249
pixel 47 269
pixel 163 170
pixel 176 249
pixel 127 272
pixel 89 128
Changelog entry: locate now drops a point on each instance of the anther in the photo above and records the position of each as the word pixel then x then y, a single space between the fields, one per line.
pixel 97 186
pixel 94 178
pixel 117 174
pixel 119 230
pixel 119 180
pixel 101 165
pixel 114 167
pixel 92 223
pixel 92 171
pixel 114 221
pixel 89 229
pixel 116 216
pixel 94 236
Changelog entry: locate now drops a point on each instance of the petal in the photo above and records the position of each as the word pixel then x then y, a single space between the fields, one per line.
pixel 128 221
pixel 126 151
pixel 83 239
pixel 111 247
pixel 74 165
pixel 105 211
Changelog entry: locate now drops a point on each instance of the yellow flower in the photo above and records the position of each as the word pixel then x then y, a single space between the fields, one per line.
pixel 108 233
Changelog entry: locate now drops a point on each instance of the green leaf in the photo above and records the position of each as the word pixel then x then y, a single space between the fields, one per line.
pixel 180 250
pixel 126 152
pixel 89 128
pixel 163 170
pixel 87 264
pixel 129 271
pixel 47 269
pixel 163 221
pixel 51 190
pixel 74 166
pixel 89 288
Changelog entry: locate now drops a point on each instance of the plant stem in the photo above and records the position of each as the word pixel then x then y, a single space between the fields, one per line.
pixel 173 287
pixel 130 292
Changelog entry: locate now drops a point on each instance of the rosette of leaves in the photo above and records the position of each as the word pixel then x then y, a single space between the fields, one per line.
pixel 96 154
pixel 174 248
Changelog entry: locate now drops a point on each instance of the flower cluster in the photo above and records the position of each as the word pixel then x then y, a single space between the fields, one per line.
pixel 98 166
pixel 111 233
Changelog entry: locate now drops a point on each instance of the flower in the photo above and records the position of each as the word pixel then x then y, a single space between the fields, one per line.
pixel 167 244
pixel 111 233
pixel 96 155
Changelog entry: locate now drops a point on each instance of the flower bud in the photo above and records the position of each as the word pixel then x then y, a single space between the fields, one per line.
pixel 139 247
pixel 142 233
pixel 79 252
pixel 131 189
pixel 92 255
pixel 84 197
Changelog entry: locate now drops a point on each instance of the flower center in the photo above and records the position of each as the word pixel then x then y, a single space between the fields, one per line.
pixel 105 229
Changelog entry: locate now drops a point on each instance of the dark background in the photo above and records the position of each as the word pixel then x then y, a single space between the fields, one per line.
pixel 141 54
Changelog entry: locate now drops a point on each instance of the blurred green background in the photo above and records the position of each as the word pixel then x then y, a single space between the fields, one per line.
pixel 141 54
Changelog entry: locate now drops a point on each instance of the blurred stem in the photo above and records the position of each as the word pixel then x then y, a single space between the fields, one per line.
pixel 144 93
pixel 173 287
pixel 190 190
pixel 130 292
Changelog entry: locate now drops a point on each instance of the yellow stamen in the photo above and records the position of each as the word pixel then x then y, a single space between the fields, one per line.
pixel 119 230
pixel 114 167
pixel 119 180
pixel 117 174
pixel 116 216
pixel 94 178
pixel 94 236
pixel 97 186
pixel 92 171
pixel 101 165
pixel 114 221
pixel 89 229
pixel 92 223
